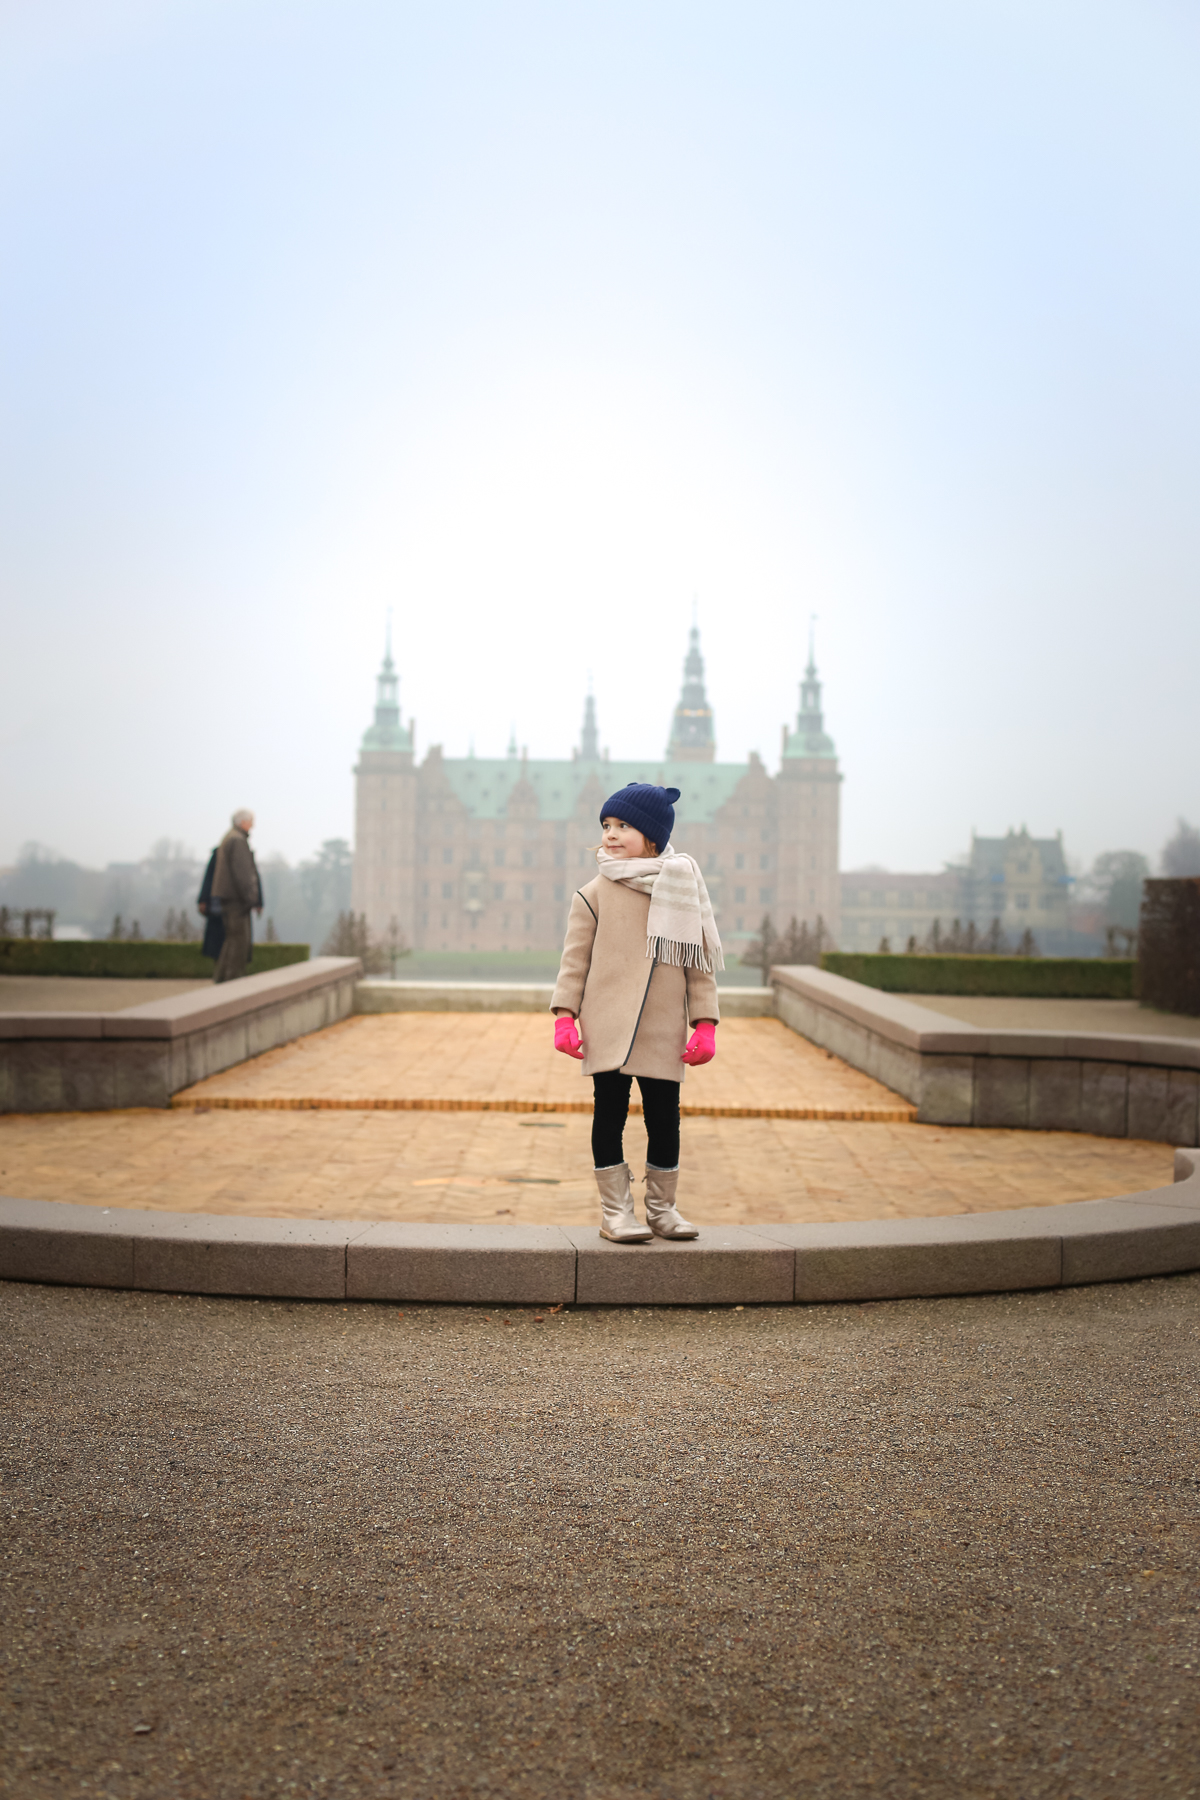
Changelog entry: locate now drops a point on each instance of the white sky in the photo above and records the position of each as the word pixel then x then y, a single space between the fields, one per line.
pixel 533 322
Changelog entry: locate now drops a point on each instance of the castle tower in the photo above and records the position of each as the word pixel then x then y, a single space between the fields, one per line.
pixel 692 738
pixel 385 796
pixel 589 741
pixel 809 813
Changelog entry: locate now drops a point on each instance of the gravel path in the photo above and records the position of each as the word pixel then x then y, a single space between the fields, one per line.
pixel 915 1549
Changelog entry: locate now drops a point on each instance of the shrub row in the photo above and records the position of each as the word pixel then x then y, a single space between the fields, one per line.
pixel 177 962
pixel 1029 977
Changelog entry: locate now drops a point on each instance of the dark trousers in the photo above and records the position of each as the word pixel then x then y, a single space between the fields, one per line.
pixel 660 1108
pixel 235 951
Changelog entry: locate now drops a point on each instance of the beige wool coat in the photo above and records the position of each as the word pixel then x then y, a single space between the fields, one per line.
pixel 634 1014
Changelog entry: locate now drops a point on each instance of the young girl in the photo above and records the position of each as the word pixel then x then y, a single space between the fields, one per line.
pixel 637 968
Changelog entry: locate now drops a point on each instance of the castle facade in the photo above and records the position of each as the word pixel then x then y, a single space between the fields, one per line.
pixel 476 853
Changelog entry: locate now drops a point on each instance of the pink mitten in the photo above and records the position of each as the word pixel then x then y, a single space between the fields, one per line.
pixel 566 1037
pixel 702 1045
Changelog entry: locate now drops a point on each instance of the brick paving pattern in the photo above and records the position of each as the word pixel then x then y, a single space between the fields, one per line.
pixel 463 1167
pixel 507 1061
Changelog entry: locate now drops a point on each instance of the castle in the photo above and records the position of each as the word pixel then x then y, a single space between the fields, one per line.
pixel 477 853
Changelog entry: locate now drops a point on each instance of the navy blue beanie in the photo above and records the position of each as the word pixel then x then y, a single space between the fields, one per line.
pixel 651 809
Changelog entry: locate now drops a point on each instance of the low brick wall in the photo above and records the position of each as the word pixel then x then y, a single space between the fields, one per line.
pixel 90 1062
pixel 1154 1233
pixel 1113 1084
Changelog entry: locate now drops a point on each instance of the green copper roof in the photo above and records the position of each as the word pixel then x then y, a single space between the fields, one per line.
pixel 810 737
pixel 483 785
pixel 387 733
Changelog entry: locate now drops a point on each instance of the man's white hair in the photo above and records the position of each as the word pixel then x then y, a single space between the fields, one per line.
pixel 243 816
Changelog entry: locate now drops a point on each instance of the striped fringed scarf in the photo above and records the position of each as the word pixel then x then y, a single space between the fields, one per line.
pixel 680 928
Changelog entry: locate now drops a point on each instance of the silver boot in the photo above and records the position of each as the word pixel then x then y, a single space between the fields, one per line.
pixel 618 1221
pixel 661 1215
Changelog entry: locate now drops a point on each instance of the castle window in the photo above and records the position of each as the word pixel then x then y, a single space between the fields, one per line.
pixel 559 891
pixel 499 858
pixel 764 862
pixel 560 859
pixel 739 861
pixel 424 890
pixel 447 892
pixel 527 858
pixel 424 852
pixel 497 890
pixel 447 855
pixel 528 891
pixel 528 924
pixel 739 894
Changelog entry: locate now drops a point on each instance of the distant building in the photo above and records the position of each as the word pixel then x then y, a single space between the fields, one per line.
pixel 1019 880
pixel 877 905
pixel 470 852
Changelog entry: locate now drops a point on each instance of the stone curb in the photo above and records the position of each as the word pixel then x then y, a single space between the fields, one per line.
pixel 375 994
pixel 95 1062
pixel 1154 1233
pixel 1111 1084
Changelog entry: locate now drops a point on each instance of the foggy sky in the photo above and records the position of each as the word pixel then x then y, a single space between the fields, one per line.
pixel 535 323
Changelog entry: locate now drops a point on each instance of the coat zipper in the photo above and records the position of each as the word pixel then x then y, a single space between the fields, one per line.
pixel 641 1010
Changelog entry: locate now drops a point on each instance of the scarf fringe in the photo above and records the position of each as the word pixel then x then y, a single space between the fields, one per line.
pixel 684 956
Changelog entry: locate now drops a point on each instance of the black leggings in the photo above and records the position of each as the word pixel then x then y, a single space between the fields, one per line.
pixel 660 1108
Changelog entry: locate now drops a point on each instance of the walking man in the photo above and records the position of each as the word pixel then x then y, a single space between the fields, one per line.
pixel 237 886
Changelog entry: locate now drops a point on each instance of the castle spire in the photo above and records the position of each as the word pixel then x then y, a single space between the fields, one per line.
pixel 589 742
pixel 692 737
pixel 810 737
pixel 387 733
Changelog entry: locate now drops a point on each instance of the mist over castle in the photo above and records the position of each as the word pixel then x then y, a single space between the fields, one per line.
pixel 477 853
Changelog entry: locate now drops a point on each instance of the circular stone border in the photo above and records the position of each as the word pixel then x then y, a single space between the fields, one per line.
pixel 1131 1235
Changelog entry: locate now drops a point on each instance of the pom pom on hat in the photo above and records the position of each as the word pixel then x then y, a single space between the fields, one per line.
pixel 650 809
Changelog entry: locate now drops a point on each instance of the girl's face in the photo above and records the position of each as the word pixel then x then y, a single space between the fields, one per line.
pixel 624 840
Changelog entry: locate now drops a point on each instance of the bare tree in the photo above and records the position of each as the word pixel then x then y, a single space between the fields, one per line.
pixel 351 936
pixel 764 950
pixel 1181 854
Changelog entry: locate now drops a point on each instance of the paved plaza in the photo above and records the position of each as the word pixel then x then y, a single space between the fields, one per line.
pixel 1011 1012
pixel 86 993
pixel 508 1061
pixel 928 1550
pixel 461 1118
pixel 464 1167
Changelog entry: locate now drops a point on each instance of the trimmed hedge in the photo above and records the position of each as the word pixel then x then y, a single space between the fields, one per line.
pixel 1029 977
pixel 176 962
pixel 1169 944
